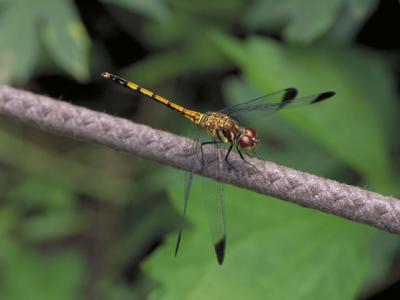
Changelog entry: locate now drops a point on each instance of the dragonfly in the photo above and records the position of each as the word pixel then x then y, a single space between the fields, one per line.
pixel 224 129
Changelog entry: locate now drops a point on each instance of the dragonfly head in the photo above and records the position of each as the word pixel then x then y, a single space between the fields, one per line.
pixel 248 139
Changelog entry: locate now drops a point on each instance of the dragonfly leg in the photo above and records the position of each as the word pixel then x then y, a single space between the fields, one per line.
pixel 226 158
pixel 201 150
pixel 242 157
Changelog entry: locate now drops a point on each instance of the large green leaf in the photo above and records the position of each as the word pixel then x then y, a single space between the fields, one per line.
pixel 275 250
pixel 66 38
pixel 21 25
pixel 360 142
pixel 307 20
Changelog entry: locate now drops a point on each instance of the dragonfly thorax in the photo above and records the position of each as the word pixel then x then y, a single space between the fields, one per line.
pixel 228 131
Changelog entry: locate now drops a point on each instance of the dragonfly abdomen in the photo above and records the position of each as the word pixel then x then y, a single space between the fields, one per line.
pixel 193 116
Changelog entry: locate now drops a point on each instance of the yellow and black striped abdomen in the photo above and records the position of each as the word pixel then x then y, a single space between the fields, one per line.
pixel 194 116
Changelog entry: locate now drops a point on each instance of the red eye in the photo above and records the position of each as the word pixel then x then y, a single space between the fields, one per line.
pixel 251 132
pixel 245 141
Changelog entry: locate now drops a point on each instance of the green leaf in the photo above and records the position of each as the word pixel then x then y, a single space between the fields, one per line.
pixel 151 8
pixel 359 142
pixel 32 193
pixel 189 23
pixel 52 225
pixel 351 18
pixel 18 43
pixel 384 249
pixel 306 20
pixel 64 36
pixel 275 250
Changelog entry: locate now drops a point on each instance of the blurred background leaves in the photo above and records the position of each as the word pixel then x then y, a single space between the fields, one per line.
pixel 79 221
pixel 28 28
pixel 279 266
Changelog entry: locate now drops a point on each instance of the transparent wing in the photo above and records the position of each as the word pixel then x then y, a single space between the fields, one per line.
pixel 273 102
pixel 195 159
pixel 215 209
pixel 279 96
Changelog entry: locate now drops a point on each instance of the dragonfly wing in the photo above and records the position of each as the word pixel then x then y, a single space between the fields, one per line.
pixel 279 96
pixel 215 210
pixel 218 224
pixel 188 186
pixel 195 150
pixel 288 100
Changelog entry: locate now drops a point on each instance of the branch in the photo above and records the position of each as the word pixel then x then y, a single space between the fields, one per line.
pixel 307 190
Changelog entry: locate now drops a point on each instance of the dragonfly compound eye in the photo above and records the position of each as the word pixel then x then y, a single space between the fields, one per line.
pixel 247 143
pixel 250 132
